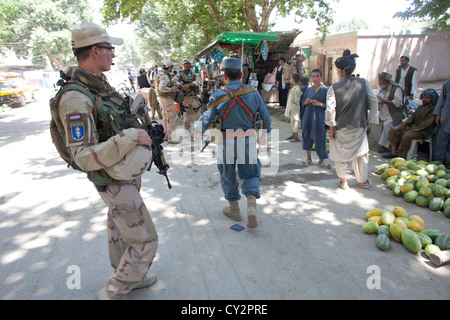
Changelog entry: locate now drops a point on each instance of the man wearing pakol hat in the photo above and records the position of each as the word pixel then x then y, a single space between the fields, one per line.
pixel 93 125
pixel 392 109
pixel 406 76
pixel 166 89
pixel 346 115
pixel 420 125
pixel 238 107
pixel 189 83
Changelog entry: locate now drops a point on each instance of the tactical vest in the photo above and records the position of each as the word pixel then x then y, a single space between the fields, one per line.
pixel 158 80
pixel 187 77
pixel 111 116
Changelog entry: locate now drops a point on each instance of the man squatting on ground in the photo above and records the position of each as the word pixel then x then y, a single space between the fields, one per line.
pixel 347 104
pixel 96 147
pixel 239 141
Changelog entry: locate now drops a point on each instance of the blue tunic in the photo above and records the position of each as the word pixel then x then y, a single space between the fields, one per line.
pixel 237 152
pixel 313 119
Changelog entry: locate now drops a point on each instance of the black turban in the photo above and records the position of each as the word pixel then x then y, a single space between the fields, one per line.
pixel 346 62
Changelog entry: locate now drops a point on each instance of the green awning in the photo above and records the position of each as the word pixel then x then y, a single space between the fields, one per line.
pixel 248 37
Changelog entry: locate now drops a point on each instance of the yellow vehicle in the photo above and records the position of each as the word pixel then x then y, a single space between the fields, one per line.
pixel 16 92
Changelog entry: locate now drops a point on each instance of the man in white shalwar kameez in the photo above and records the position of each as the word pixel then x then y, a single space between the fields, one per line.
pixel 351 106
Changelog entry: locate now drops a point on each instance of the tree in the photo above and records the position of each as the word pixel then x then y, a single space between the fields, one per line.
pixel 197 22
pixel 351 25
pixel 40 29
pixel 436 10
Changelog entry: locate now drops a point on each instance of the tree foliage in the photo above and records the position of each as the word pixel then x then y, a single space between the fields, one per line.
pixel 435 10
pixel 192 24
pixel 40 29
pixel 351 25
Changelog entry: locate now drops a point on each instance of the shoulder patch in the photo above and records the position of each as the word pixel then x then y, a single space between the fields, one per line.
pixel 76 124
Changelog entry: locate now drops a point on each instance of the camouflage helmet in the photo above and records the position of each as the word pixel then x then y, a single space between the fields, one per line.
pixel 133 165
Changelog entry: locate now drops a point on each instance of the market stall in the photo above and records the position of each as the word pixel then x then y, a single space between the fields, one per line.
pixel 259 52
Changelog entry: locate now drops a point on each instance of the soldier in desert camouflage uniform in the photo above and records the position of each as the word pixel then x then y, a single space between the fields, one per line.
pixel 166 89
pixel 92 120
pixel 188 80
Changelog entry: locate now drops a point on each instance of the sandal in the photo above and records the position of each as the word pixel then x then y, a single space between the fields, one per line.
pixel 365 185
pixel 307 163
pixel 343 186
pixel 324 165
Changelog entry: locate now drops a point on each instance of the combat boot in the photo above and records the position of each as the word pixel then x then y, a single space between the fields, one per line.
pixel 251 212
pixel 233 211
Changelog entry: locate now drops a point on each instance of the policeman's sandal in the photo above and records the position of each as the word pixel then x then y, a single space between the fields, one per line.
pixel 251 212
pixel 233 211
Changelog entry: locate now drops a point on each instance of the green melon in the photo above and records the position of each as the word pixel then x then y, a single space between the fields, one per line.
pixel 387 217
pixel 441 172
pixel 432 233
pixel 438 190
pixel 436 204
pixel 384 230
pixel 424 239
pixel 431 248
pixel 425 191
pixel 396 232
pixel 441 182
pixel 411 241
pixel 447 212
pixel 431 168
pixel 422 201
pixel 370 227
pixel 382 242
pixel 443 241
pixel 396 191
pixel 410 196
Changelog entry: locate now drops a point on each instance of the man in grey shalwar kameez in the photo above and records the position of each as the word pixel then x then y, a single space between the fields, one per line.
pixel 441 140
pixel 348 103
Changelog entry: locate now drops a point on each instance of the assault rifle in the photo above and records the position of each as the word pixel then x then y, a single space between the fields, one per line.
pixel 156 133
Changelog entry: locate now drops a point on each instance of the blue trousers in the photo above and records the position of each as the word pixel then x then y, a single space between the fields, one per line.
pixel 441 145
pixel 321 146
pixel 236 154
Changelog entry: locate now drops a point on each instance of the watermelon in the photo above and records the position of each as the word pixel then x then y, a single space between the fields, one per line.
pixel 443 241
pixel 431 248
pixel 436 204
pixel 441 182
pixel 411 241
pixel 441 172
pixel 422 201
pixel 432 233
pixel 410 196
pixel 384 230
pixel 424 239
pixel 438 190
pixel 382 242
pixel 447 212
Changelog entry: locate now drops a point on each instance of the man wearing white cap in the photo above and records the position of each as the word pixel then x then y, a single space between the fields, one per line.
pixel 406 76
pixel 91 121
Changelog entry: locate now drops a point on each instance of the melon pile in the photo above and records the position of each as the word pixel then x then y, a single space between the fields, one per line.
pixel 426 184
pixel 410 231
pixel 5 108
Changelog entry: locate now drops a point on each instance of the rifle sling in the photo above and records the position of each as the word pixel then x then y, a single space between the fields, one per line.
pixel 230 96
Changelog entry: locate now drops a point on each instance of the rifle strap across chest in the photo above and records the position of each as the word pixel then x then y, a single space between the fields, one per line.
pixel 233 101
pixel 231 95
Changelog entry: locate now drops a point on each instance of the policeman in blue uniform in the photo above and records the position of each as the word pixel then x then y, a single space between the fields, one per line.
pixel 238 106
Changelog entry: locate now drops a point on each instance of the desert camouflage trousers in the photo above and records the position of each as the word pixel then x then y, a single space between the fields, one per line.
pixel 132 237
pixel 191 109
pixel 169 116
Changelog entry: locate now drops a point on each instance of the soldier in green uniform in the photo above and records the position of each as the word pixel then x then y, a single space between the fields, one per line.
pixel 189 82
pixel 92 118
